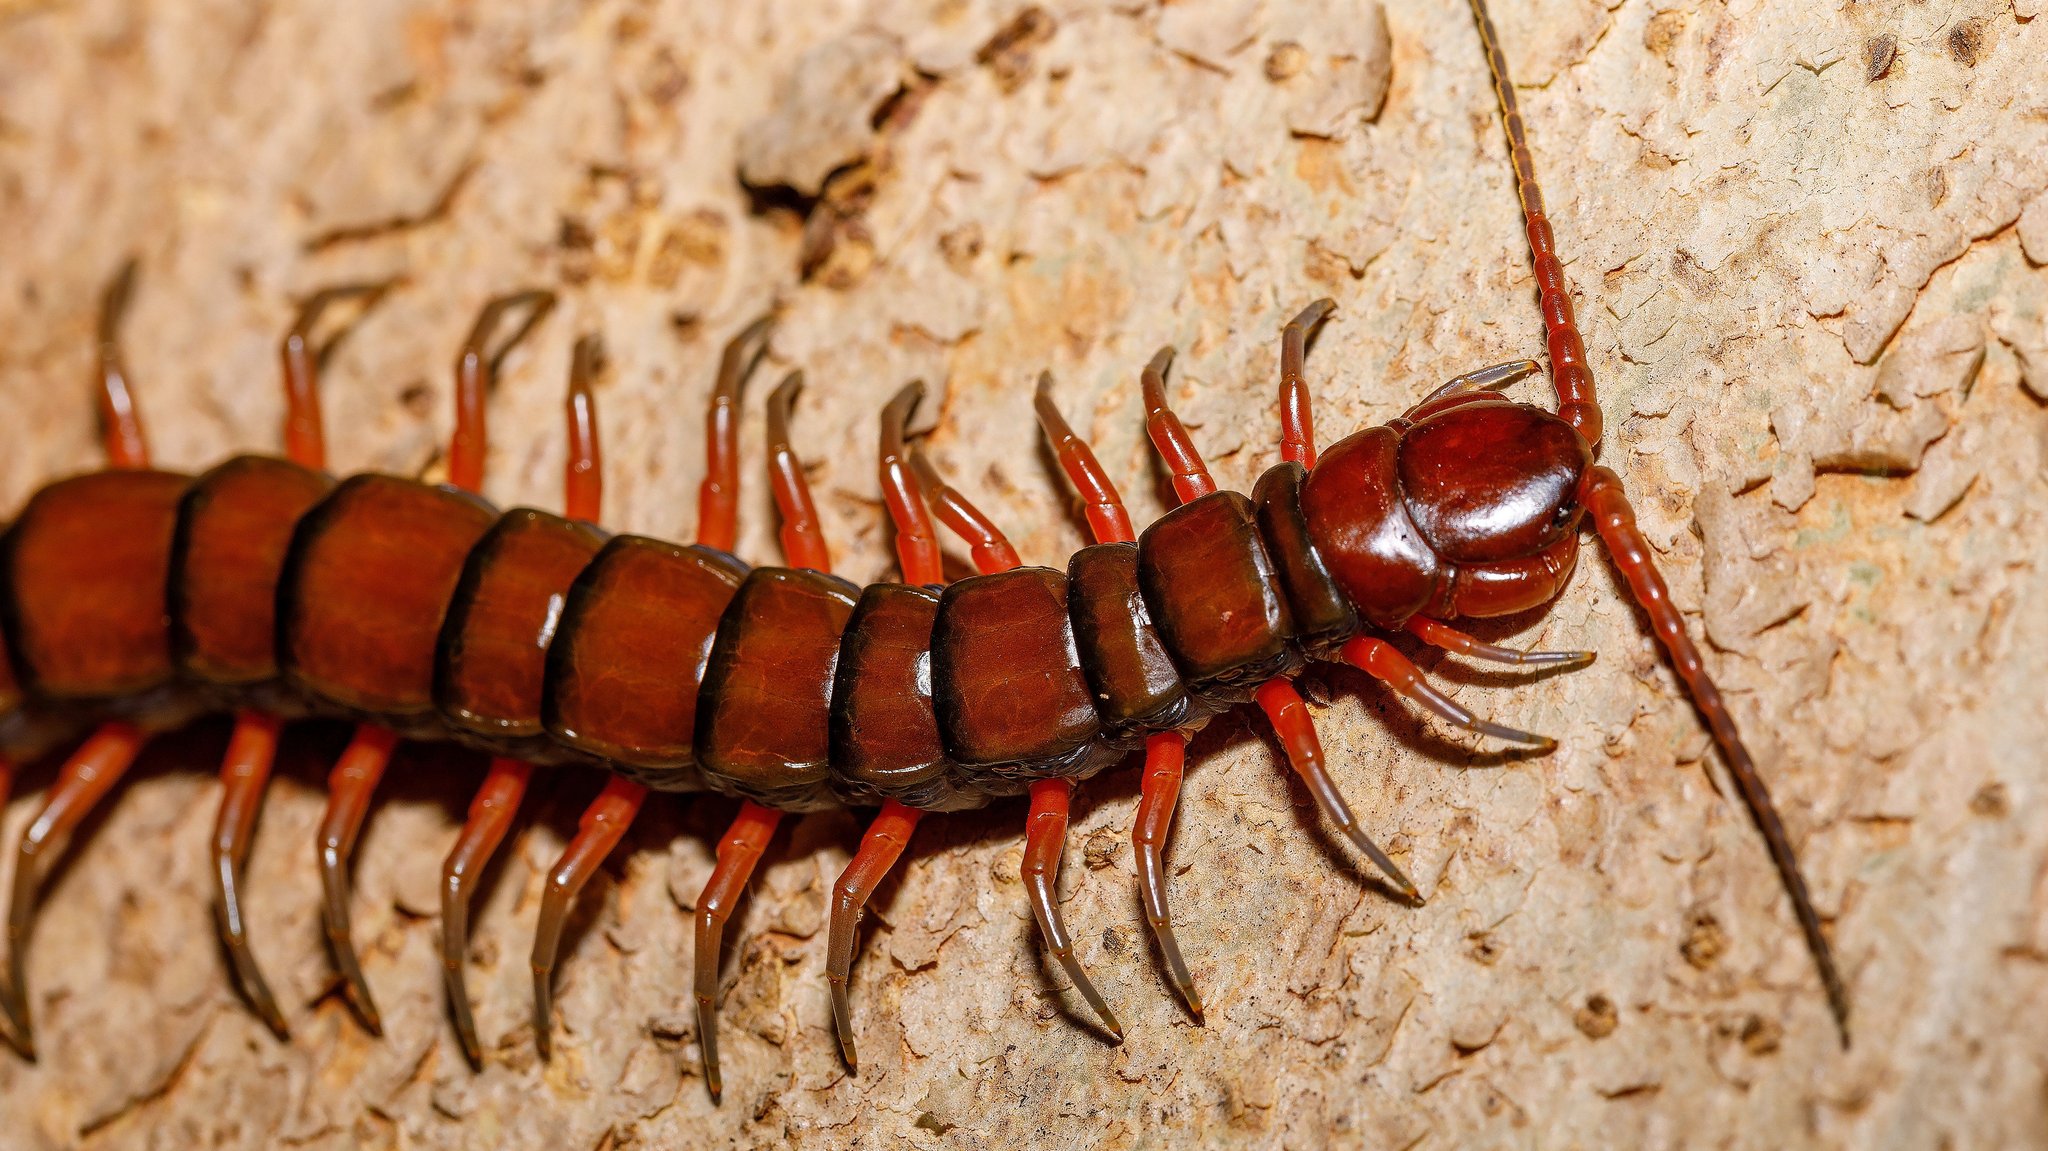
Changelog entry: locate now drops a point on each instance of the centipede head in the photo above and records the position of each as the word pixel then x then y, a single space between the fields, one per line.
pixel 1466 506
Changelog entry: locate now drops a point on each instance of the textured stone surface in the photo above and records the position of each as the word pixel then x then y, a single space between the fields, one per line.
pixel 1805 241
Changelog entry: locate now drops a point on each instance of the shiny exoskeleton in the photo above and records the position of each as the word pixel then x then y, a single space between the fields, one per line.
pixel 133 599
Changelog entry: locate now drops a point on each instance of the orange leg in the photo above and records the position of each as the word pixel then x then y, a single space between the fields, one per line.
pixel 1045 841
pixel 100 762
pixel 490 817
pixel 986 543
pixel 1165 752
pixel 1107 519
pixel 1046 830
pixel 243 775
pixel 879 850
pixel 349 789
pixel 1191 479
pixel 583 475
pixel 1297 731
pixel 85 779
pixel 497 801
pixel 305 437
pixel 476 369
pixel 918 552
pixel 604 823
pixel 1604 498
pixel 738 852
pixel 120 423
pixel 1449 638
pixel 718 499
pixel 1297 428
pixel 1379 659
pixel 917 548
pixel 803 544
pixel 1158 795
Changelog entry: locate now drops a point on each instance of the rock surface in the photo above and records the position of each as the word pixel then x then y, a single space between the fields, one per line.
pixel 1806 242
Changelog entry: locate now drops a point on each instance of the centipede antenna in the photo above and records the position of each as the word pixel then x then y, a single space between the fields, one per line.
pixel 83 781
pixel 718 498
pixel 1615 521
pixel 305 358
pixel 583 478
pixel 1448 638
pixel 1381 660
pixel 602 826
pixel 1297 426
pixel 1191 479
pixel 738 852
pixel 244 772
pixel 1569 373
pixel 803 540
pixel 917 545
pixel 1045 841
pixel 880 847
pixel 1297 732
pixel 1107 519
pixel 120 423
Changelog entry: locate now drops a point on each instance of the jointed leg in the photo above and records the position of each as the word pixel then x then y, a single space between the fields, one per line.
pixel 802 542
pixel 86 778
pixel 1297 427
pixel 1449 638
pixel 718 498
pixel 583 475
pixel 243 775
pixel 1159 795
pixel 1604 498
pixel 879 850
pixel 120 423
pixel 305 439
pixel 1045 833
pixel 738 852
pixel 1165 751
pixel 1297 732
pixel 1191 479
pixel 497 801
pixel 1045 840
pixel 986 543
pixel 917 547
pixel 349 789
pixel 604 823
pixel 889 834
pixel 1107 519
pixel 490 817
pixel 476 369
pixel 1379 659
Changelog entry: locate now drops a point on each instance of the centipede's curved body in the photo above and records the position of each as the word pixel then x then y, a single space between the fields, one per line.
pixel 135 599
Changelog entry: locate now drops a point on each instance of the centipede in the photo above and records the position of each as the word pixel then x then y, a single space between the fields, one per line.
pixel 134 600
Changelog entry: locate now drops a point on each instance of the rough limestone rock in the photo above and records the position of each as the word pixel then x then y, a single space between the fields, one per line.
pixel 1806 243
